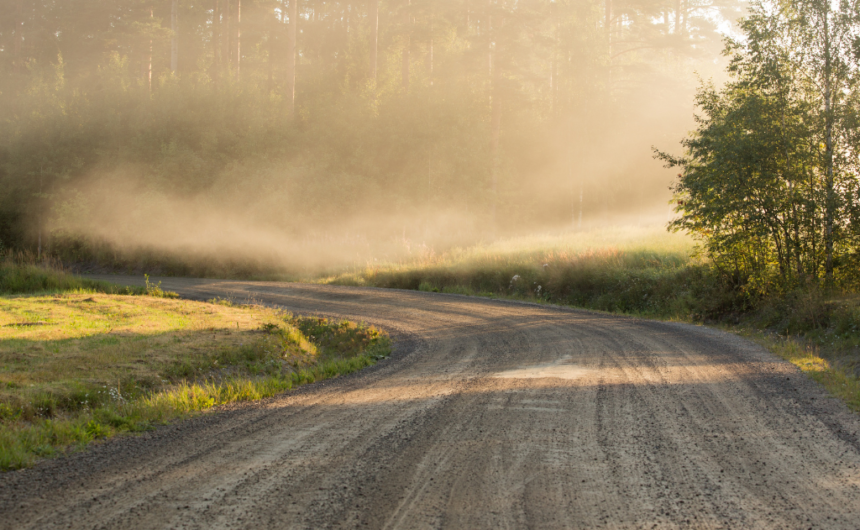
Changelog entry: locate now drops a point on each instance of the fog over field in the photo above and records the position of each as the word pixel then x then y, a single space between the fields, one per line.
pixel 314 132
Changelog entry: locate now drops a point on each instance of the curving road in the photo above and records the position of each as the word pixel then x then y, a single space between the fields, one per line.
pixel 489 415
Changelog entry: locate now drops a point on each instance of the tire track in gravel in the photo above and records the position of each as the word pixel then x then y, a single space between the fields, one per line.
pixel 489 414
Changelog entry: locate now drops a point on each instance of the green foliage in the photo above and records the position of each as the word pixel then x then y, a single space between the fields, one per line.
pixel 769 177
pixel 68 418
pixel 666 283
pixel 156 290
pixel 21 273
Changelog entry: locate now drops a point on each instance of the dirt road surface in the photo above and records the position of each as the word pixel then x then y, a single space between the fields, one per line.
pixel 489 415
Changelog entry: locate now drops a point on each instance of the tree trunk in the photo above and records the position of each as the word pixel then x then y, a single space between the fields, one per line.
pixel 607 29
pixel 271 42
pixel 174 40
pixel 238 50
pixel 408 29
pixel 19 37
pixel 496 119
pixel 430 51
pixel 374 40
pixel 553 67
pixel 496 125
pixel 830 200
pixel 488 23
pixel 228 39
pixel 216 42
pixel 291 56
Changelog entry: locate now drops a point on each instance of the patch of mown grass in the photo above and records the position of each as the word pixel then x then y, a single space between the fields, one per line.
pixel 78 367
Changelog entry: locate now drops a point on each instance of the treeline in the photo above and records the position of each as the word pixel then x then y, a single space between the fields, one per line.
pixel 769 180
pixel 302 114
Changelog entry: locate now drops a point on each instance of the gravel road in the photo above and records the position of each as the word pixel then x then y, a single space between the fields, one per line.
pixel 489 415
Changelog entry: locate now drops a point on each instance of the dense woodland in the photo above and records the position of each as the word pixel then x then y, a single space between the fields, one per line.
pixel 312 117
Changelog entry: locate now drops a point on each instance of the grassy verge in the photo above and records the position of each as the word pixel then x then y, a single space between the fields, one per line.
pixel 76 367
pixel 645 273
pixel 631 270
pixel 810 358
pixel 20 274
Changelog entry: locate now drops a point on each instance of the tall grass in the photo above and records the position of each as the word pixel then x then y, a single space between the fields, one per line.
pixel 24 273
pixel 644 272
pixel 629 270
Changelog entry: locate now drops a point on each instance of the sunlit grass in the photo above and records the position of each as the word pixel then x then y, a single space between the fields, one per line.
pixel 615 242
pixel 624 269
pixel 643 271
pixel 20 274
pixel 82 366
pixel 807 356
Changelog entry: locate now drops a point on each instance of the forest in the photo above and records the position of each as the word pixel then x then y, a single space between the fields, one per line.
pixel 259 125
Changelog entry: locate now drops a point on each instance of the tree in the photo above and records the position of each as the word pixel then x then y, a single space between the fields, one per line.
pixel 769 174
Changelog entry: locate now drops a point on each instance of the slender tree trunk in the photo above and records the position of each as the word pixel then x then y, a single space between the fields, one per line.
pixel 607 21
pixel 291 55
pixel 271 42
pixel 19 37
pixel 553 67
pixel 489 30
pixel 830 200
pixel 430 50
pixel 238 51
pixel 228 39
pixel 216 42
pixel 374 41
pixel 496 124
pixel 607 29
pixel 408 30
pixel 149 57
pixel 174 40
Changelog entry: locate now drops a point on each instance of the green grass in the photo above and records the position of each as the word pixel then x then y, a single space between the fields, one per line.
pixel 21 273
pixel 642 272
pixel 823 364
pixel 77 367
pixel 630 270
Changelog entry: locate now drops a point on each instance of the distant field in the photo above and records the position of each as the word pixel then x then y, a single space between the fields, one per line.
pixel 78 367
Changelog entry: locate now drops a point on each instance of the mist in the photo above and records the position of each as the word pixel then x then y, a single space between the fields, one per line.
pixel 228 137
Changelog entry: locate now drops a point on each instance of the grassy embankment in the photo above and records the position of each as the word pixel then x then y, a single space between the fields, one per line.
pixel 80 364
pixel 643 272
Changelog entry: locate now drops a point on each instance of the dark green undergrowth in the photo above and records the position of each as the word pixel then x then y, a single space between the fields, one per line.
pixel 641 282
pixel 21 273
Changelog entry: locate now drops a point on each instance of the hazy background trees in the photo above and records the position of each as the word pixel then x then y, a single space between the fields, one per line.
pixel 441 120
